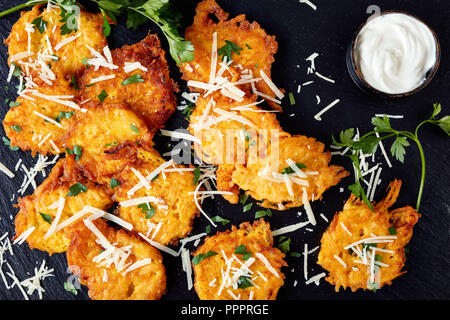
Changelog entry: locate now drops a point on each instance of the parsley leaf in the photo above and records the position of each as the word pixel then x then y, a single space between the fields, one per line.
pixel 243 197
pixel 40 24
pixel 284 246
pixel 64 115
pixel 398 148
pixel 244 282
pixel 219 219
pixel 392 230
pixel 241 249
pixel 148 209
pixel 103 95
pixel 263 213
pixel 134 128
pixel 289 170
pixel 188 111
pixel 76 189
pixel 196 175
pixel 227 49
pixel 200 257
pixel 247 207
pixel 47 218
pixel 8 143
pixel 16 128
pixel 68 286
pixel 106 27
pixel 133 79
pixel 114 183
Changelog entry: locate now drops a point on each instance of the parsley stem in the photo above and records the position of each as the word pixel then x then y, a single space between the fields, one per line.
pixel 23 5
pixel 422 179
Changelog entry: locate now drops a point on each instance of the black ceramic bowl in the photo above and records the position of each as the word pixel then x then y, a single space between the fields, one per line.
pixel 358 78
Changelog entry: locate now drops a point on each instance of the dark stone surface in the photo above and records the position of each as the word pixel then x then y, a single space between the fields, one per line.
pixel 300 31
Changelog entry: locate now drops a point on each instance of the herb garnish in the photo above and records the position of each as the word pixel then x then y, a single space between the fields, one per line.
pixel 284 244
pixel 134 128
pixel 39 24
pixel 114 183
pixel 241 249
pixel 226 50
pixel 148 209
pixel 219 219
pixel 76 189
pixel 289 170
pixel 158 11
pixel 16 128
pixel 46 217
pixel 368 144
pixel 77 151
pixel 133 79
pixel 244 282
pixel 64 115
pixel 196 175
pixel 8 143
pixel 262 213
pixel 68 286
pixel 200 257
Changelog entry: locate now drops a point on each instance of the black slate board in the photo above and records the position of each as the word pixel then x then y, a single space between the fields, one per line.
pixel 300 31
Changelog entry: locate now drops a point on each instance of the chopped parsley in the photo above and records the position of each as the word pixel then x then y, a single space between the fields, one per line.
pixel 244 282
pixel 243 198
pixel 219 219
pixel 77 151
pixel 200 257
pixel 16 128
pixel 133 79
pixel 289 170
pixel 40 24
pixel 74 83
pixel 284 244
pixel 148 209
pixel 263 213
pixel 188 111
pixel 392 230
pixel 196 175
pixel 227 49
pixel 68 286
pixel 103 95
pixel 64 115
pixel 241 249
pixel 291 98
pixel 76 189
pixel 247 207
pixel 134 128
pixel 114 183
pixel 46 217
pixel 8 143
pixel 13 104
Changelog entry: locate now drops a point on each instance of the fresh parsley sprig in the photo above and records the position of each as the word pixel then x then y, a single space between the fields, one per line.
pixel 137 11
pixel 383 130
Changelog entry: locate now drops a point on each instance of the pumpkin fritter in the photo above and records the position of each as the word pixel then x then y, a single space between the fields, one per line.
pixel 250 245
pixel 258 47
pixel 89 33
pixel 34 209
pixel 151 97
pixel 65 62
pixel 33 129
pixel 104 281
pixel 225 140
pixel 173 216
pixel 108 135
pixel 257 176
pixel 374 262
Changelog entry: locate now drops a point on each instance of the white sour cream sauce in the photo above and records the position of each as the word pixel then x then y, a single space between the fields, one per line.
pixel 394 51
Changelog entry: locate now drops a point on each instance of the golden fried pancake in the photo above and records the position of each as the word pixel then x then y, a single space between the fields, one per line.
pixel 30 131
pixel 70 55
pixel 152 97
pixel 230 250
pixel 264 177
pixel 105 280
pixel 35 211
pixel 227 134
pixel 386 231
pixel 47 72
pixel 257 52
pixel 170 218
pixel 108 135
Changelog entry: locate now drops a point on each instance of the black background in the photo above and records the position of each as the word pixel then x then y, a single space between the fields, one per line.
pixel 300 31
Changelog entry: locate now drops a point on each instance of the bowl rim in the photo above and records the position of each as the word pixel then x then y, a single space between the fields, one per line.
pixel 431 73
